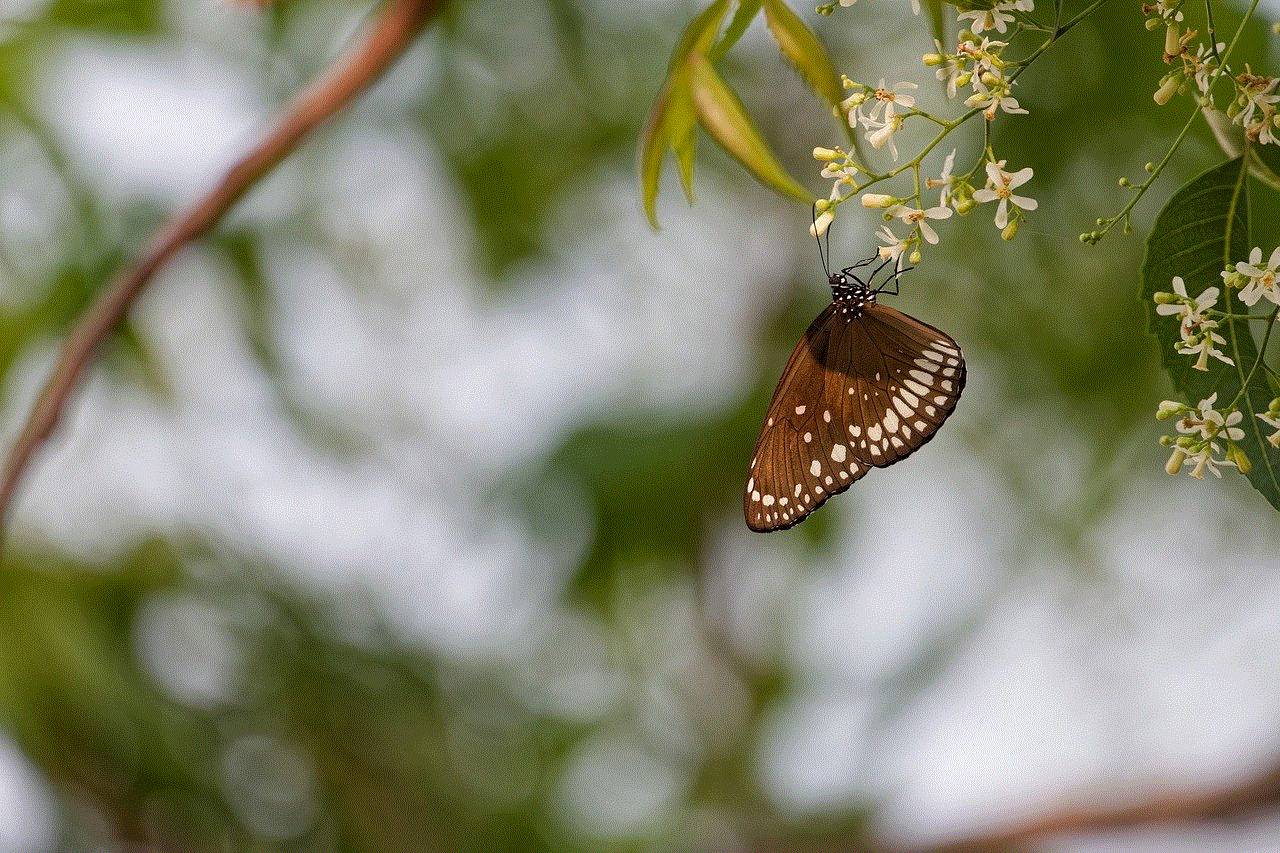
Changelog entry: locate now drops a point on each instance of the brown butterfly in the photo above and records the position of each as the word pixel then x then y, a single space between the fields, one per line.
pixel 865 387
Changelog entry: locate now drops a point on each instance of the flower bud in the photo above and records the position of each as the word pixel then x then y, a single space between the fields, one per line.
pixel 931 60
pixel 1169 408
pixel 1198 471
pixel 1239 457
pixel 1175 461
pixel 878 200
pixel 826 154
pixel 1009 231
pixel 1152 23
pixel 915 257
pixel 1168 87
pixel 1172 45
pixel 1165 298
pixel 819 226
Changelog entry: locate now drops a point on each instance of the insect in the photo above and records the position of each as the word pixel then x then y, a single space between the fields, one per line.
pixel 865 387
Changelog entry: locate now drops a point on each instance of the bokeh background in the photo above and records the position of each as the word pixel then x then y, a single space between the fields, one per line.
pixel 404 513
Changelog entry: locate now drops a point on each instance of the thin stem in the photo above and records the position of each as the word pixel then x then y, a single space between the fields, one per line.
pixel 396 27
pixel 1262 351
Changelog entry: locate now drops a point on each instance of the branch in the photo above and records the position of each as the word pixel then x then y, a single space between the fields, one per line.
pixel 1251 796
pixel 391 33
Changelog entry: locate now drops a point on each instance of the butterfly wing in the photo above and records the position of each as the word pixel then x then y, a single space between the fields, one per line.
pixel 861 390
pixel 800 458
pixel 903 377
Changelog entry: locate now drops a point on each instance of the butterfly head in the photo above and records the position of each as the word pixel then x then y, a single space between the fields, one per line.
pixel 850 292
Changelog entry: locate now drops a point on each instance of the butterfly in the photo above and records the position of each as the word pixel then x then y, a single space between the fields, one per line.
pixel 865 387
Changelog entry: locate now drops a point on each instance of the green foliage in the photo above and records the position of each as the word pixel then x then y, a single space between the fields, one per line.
pixel 695 93
pixel 1203 230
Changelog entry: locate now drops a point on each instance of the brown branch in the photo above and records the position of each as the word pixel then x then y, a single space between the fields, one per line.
pixel 391 33
pixel 1251 796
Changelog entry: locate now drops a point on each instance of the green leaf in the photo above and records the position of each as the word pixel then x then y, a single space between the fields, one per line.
pixel 671 120
pixel 1203 229
pixel 723 116
pixel 697 37
pixel 742 19
pixel 802 48
pixel 669 125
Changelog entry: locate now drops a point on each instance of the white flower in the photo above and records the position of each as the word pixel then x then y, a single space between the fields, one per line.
pixel 1273 422
pixel 1000 185
pixel 1203 458
pixel 884 133
pixel 986 56
pixel 997 17
pixel 1167 9
pixel 1192 312
pixel 895 245
pixel 1255 92
pixel 992 97
pixel 1203 344
pixel 1206 422
pixel 919 218
pixel 1203 63
pixel 1198 333
pixel 886 102
pixel 1265 131
pixel 1202 427
pixel 946 180
pixel 1262 279
pixel 951 69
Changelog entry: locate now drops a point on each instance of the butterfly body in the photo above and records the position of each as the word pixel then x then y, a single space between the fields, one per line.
pixel 865 387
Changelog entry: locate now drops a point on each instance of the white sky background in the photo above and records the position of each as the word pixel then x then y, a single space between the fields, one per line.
pixel 1150 662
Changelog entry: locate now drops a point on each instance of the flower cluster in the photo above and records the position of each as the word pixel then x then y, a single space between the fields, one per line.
pixel 977 64
pixel 1254 279
pixel 877 109
pixel 1201 428
pixel 975 71
pixel 1198 330
pixel 1254 107
pixel 1253 104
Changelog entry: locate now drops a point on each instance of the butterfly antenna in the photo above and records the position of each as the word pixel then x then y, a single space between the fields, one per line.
pixel 825 256
pixel 883 287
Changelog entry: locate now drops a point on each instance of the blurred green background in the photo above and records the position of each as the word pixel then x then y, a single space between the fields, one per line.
pixel 405 511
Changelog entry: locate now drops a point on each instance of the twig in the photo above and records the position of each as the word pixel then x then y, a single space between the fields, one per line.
pixel 391 33
pixel 1251 796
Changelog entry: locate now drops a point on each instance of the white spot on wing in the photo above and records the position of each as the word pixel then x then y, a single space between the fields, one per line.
pixel 921 375
pixel 891 420
pixel 815 469
pixel 873 432
pixel 837 453
pixel 768 500
pixel 800 410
